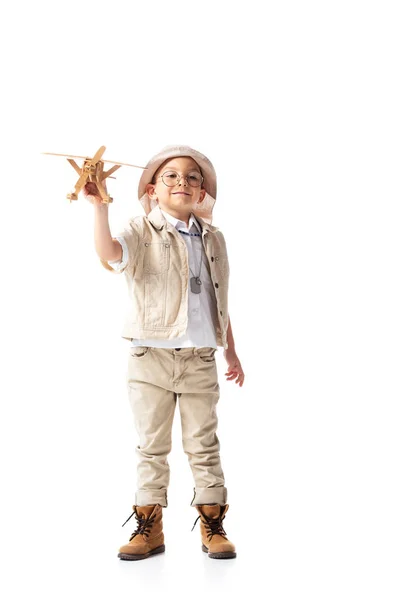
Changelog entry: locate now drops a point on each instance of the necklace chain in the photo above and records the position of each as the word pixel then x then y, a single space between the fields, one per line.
pixel 195 282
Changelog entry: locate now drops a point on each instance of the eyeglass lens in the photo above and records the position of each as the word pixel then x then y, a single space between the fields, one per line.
pixel 170 178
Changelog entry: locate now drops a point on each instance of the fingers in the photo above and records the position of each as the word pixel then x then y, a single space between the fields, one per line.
pixel 90 188
pixel 91 192
pixel 235 374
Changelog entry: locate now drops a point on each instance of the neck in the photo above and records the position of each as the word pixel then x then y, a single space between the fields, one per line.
pixel 185 218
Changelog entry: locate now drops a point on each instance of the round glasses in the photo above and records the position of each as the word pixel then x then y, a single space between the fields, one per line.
pixel 171 178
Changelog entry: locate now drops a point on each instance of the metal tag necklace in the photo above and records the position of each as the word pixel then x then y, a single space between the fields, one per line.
pixel 195 282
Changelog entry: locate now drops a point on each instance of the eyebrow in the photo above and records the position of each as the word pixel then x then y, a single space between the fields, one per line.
pixel 189 170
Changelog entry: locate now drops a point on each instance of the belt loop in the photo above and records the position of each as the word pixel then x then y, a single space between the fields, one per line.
pixel 195 350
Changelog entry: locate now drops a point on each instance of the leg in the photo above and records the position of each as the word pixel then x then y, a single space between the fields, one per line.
pixel 199 428
pixel 153 408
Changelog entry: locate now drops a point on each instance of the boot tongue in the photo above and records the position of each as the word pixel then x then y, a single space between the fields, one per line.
pixel 144 511
pixel 212 510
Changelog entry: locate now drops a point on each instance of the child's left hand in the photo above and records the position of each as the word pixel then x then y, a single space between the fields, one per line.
pixel 234 367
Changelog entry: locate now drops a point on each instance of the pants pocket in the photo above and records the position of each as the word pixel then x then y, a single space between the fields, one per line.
pixel 206 355
pixel 139 351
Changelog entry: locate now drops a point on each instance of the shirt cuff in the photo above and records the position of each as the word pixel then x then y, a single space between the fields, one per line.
pixel 120 264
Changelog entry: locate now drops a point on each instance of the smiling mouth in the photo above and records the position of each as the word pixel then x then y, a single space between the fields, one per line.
pixel 181 194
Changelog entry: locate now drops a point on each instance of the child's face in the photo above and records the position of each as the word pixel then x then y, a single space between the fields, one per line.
pixel 180 197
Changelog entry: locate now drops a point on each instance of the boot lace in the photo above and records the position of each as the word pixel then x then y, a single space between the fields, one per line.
pixel 212 525
pixel 144 524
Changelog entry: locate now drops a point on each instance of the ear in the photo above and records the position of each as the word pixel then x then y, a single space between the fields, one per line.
pixel 150 189
pixel 202 195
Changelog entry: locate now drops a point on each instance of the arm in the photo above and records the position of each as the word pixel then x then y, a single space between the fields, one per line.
pixel 229 335
pixel 106 247
pixel 235 371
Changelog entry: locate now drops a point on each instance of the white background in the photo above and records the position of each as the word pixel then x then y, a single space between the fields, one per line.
pixel 297 106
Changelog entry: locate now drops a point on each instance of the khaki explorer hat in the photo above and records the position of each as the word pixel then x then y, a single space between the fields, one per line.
pixel 201 209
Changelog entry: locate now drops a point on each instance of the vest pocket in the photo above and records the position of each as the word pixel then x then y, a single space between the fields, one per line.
pixel 156 257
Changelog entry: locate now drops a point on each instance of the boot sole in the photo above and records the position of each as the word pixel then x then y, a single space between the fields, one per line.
pixel 228 554
pixel 124 556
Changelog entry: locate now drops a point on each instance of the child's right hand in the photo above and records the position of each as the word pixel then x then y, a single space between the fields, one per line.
pixel 92 194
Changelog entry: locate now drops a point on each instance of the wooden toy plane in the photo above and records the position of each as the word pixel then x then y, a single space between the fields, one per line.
pixel 92 170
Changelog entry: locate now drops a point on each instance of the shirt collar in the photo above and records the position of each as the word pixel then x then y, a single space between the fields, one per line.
pixel 157 219
pixel 177 223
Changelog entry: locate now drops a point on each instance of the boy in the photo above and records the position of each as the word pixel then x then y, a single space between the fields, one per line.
pixel 177 270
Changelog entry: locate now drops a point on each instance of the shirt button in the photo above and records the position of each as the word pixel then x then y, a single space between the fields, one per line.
pixel 216 258
pixel 216 285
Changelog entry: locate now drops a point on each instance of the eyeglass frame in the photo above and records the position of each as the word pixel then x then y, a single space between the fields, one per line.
pixel 180 177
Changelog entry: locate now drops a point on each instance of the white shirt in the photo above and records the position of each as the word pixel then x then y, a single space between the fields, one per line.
pixel 202 307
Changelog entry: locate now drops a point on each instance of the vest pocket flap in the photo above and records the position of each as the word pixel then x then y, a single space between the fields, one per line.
pixel 156 257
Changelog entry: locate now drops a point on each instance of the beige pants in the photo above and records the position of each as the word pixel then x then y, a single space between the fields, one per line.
pixel 156 378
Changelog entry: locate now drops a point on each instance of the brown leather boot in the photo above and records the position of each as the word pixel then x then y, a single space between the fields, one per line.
pixel 213 536
pixel 148 538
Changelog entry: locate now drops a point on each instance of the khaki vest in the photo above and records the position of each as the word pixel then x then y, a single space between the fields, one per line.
pixel 157 275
